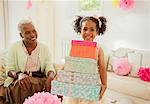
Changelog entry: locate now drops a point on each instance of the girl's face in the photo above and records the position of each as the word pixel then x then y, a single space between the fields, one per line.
pixel 88 30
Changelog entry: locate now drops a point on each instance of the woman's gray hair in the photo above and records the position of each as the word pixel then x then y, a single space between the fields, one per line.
pixel 23 22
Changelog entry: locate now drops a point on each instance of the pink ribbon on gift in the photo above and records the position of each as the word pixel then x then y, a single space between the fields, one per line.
pixel 83 43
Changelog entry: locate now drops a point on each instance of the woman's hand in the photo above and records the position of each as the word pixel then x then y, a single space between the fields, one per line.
pixel 12 74
pixel 48 84
pixel 103 88
pixel 51 76
pixel 24 81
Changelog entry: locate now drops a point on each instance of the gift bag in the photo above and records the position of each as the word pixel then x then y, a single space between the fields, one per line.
pixel 83 49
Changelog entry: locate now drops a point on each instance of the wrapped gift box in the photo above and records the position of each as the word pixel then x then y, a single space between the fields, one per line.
pixel 83 49
pixel 77 77
pixel 88 92
pixel 80 64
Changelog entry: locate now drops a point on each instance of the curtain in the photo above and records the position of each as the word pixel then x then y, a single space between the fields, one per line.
pixel 3 24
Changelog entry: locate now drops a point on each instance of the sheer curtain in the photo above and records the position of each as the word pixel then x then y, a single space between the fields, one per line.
pixel 3 24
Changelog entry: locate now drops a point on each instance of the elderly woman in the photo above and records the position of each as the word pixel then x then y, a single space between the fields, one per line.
pixel 29 69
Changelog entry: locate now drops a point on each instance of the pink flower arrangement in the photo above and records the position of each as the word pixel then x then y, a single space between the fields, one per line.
pixel 144 74
pixel 126 4
pixel 42 98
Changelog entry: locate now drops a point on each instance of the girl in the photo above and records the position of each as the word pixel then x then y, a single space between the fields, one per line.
pixel 89 28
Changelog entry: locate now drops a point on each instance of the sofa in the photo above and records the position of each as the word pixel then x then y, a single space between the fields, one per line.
pixel 128 88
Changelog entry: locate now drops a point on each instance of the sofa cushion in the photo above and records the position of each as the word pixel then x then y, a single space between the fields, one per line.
pixel 121 66
pixel 129 86
pixel 122 52
pixel 135 59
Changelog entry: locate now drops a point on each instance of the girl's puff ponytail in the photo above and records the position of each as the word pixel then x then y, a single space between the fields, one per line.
pixel 102 28
pixel 77 25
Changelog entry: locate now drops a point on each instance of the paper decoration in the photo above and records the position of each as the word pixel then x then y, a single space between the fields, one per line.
pixel 126 4
pixel 116 3
pixel 29 4
pixel 83 49
pixel 88 5
pixel 42 98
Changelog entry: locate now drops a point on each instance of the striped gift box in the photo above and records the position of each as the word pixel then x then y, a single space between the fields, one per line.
pixel 83 49
pixel 88 92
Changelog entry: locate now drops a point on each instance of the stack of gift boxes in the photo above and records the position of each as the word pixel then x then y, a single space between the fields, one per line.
pixel 78 78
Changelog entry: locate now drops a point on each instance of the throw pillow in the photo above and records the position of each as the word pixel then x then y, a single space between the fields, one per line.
pixel 135 59
pixel 144 74
pixel 122 52
pixel 121 66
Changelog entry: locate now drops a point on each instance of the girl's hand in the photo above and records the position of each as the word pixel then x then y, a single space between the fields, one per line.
pixel 103 88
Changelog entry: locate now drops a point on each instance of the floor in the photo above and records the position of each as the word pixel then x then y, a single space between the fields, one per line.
pixel 105 101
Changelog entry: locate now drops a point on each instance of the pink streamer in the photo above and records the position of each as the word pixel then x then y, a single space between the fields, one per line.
pixel 126 4
pixel 29 4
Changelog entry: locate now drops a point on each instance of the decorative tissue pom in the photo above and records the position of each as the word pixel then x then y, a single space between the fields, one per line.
pixel 144 74
pixel 42 98
pixel 126 4
pixel 121 66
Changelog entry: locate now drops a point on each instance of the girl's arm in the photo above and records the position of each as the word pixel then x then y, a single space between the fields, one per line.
pixel 102 71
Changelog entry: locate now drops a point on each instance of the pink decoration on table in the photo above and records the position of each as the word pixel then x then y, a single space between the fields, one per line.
pixel 29 4
pixel 144 74
pixel 42 98
pixel 121 66
pixel 126 4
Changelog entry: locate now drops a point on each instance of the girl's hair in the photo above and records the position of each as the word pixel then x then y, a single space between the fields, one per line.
pixel 100 23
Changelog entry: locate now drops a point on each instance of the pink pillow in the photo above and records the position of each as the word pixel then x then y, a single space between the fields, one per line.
pixel 121 66
pixel 144 74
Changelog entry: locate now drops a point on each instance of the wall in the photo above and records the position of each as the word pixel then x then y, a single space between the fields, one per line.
pixel 125 28
pixel 54 22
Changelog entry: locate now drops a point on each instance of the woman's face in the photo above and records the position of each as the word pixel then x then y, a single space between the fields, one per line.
pixel 88 30
pixel 28 33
